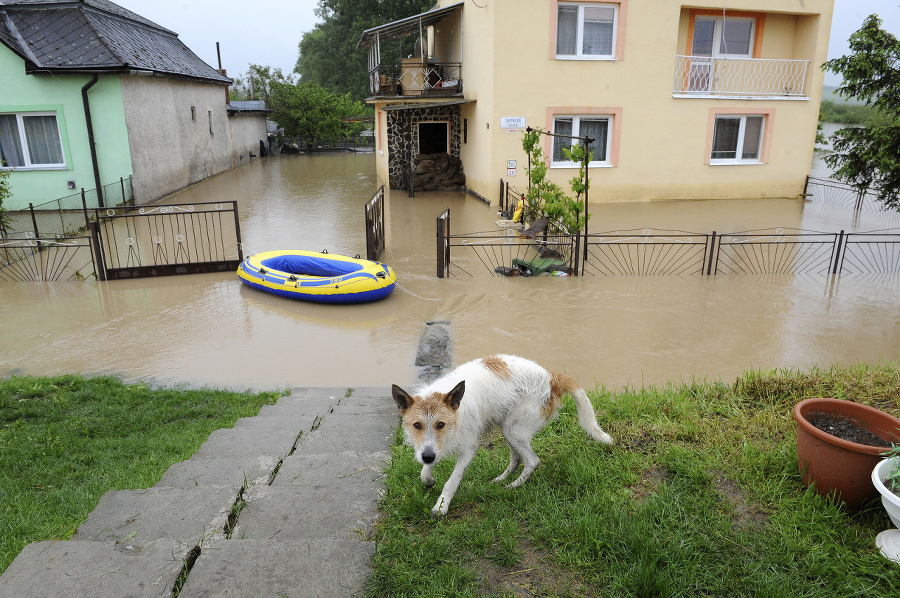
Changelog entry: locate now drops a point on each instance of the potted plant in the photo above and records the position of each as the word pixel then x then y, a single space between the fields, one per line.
pixel 838 460
pixel 886 479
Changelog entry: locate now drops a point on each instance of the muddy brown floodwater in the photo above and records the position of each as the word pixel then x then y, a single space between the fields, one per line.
pixel 209 330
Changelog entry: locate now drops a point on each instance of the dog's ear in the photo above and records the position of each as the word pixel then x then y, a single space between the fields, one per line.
pixel 401 397
pixel 453 397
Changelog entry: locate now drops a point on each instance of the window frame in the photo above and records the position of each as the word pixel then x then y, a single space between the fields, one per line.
pixel 616 24
pixel 757 21
pixel 26 149
pixel 576 126
pixel 762 146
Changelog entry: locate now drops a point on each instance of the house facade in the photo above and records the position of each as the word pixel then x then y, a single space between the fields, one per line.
pixel 699 100
pixel 92 93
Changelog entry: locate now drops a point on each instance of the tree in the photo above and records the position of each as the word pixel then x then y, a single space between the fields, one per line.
pixel 328 54
pixel 546 198
pixel 257 82
pixel 311 113
pixel 5 192
pixel 870 157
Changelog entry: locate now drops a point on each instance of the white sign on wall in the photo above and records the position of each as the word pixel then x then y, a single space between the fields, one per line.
pixel 512 122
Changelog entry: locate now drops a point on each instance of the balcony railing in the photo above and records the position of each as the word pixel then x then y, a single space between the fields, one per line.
pixel 415 77
pixel 704 76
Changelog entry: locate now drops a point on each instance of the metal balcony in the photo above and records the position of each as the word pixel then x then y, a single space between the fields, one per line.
pixel 704 76
pixel 415 77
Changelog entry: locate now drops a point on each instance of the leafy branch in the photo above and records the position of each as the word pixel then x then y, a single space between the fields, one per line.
pixel 546 198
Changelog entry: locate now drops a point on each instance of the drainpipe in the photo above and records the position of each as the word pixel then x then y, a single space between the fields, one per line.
pixel 90 131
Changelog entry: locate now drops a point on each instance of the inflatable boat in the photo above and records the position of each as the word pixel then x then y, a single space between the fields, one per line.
pixel 319 277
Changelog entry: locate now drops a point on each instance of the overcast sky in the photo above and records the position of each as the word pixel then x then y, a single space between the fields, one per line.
pixel 267 32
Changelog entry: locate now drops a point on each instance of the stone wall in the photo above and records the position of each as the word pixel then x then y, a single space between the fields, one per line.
pixel 403 143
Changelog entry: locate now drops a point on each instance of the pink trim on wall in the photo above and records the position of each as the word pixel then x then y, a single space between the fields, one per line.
pixel 620 25
pixel 769 113
pixel 614 111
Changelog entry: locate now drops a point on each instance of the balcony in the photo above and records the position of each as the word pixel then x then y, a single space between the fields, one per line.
pixel 750 78
pixel 416 77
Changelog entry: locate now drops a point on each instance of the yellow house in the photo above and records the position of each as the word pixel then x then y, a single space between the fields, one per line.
pixel 685 99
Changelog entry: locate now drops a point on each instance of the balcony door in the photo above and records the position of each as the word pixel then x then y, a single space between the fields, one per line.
pixel 717 37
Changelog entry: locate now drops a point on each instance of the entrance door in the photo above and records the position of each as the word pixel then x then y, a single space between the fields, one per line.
pixel 434 137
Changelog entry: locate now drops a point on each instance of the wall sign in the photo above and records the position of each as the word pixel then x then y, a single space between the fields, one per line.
pixel 512 122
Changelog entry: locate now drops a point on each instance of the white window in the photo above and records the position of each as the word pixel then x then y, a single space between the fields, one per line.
pixel 596 127
pixel 586 30
pixel 30 140
pixel 730 36
pixel 737 139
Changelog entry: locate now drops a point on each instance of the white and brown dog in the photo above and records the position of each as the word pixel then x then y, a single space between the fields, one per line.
pixel 508 390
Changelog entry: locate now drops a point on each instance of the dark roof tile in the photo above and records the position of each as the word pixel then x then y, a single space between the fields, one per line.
pixel 96 34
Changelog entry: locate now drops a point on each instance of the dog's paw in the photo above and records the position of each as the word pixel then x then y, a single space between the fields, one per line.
pixel 440 507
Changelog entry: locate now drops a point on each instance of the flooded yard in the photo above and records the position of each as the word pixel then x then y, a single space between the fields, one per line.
pixel 210 330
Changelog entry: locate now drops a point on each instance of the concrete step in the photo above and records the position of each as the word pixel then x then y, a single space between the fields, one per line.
pixel 137 518
pixel 253 568
pixel 323 495
pixel 96 569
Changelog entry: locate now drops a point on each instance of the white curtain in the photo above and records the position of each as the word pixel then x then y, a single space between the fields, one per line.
pixel 10 148
pixel 42 134
pixel 566 30
pixel 598 31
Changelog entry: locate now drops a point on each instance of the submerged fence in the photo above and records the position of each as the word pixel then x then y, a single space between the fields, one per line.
pixel 669 252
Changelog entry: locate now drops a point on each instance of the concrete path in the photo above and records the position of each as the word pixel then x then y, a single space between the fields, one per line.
pixel 281 505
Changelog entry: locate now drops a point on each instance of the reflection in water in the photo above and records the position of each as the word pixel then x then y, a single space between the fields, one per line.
pixel 210 330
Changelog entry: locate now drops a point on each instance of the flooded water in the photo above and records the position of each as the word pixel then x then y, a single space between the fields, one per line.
pixel 210 330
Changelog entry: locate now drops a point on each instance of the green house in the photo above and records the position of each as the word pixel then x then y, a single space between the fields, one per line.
pixel 92 93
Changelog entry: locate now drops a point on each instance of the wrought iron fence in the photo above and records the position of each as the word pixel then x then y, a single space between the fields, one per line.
pixel 163 240
pixel 706 75
pixel 25 258
pixel 645 251
pixel 374 213
pixel 543 249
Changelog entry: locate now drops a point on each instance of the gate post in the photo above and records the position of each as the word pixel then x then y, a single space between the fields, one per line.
pixel 99 264
pixel 838 252
pixel 712 252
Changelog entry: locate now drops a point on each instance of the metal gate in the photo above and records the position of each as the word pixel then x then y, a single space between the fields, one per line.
pixel 165 240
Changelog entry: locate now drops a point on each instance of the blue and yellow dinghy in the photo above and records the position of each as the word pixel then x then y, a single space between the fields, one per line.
pixel 319 277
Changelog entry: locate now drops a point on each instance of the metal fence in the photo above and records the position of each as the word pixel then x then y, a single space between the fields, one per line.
pixel 28 259
pixel 164 240
pixel 69 215
pixel 374 214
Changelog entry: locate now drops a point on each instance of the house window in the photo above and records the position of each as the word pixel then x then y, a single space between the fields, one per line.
pixel 717 36
pixel 585 31
pixel 737 139
pixel 596 127
pixel 30 140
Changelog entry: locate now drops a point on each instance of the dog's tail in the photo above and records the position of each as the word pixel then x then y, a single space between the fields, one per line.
pixel 587 419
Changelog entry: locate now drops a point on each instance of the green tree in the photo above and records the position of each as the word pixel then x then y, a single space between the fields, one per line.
pixel 869 157
pixel 311 113
pixel 257 82
pixel 328 53
pixel 544 197
pixel 5 193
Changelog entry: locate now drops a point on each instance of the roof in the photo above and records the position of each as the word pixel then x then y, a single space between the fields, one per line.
pixel 410 106
pixel 247 106
pixel 95 36
pixel 414 23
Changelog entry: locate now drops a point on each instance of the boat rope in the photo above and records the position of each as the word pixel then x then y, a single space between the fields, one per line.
pixel 245 248
pixel 402 288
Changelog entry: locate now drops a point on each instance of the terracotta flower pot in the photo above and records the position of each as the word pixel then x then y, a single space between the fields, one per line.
pixel 838 467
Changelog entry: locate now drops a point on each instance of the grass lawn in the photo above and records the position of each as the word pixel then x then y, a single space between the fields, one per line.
pixel 700 496
pixel 65 441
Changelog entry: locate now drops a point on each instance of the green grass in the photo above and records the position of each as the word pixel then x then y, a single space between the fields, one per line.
pixel 699 497
pixel 65 441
